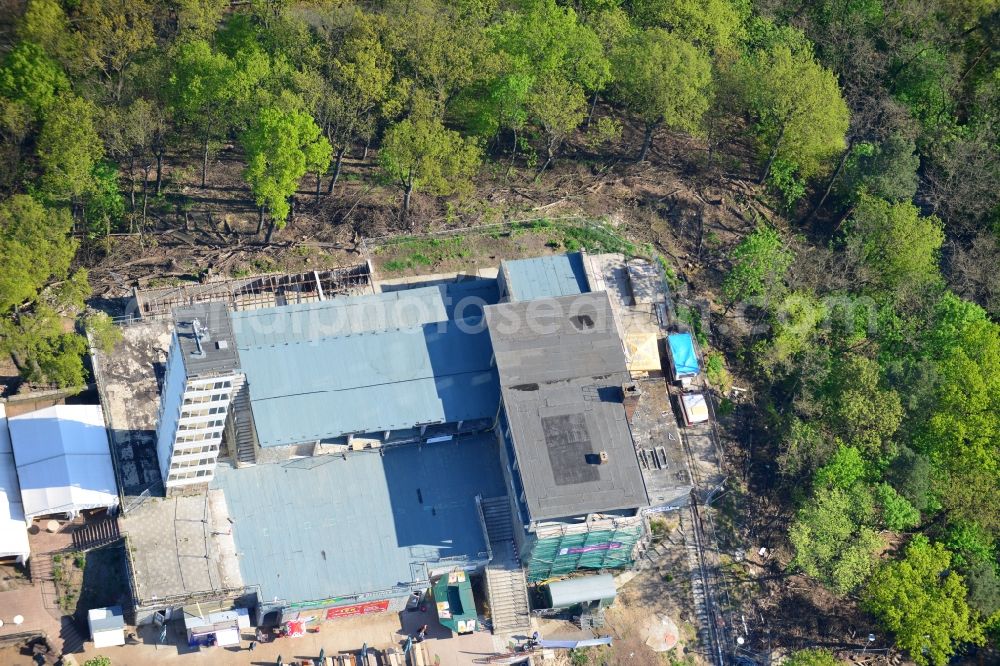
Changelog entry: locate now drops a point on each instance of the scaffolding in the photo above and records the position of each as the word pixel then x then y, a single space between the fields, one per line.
pixel 260 291
pixel 556 550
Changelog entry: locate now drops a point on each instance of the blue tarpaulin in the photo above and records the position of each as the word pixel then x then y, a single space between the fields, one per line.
pixel 683 355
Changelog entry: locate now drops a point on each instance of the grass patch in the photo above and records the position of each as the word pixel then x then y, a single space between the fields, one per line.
pixel 596 238
pixel 692 317
pixel 67 574
pixel 715 370
pixel 487 246
pixel 424 252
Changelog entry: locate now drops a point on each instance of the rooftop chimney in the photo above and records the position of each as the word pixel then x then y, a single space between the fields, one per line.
pixel 630 399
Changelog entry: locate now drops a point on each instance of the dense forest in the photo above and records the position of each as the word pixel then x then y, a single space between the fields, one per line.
pixel 871 128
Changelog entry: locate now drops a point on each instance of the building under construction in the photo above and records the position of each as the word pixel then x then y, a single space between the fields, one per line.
pixel 350 441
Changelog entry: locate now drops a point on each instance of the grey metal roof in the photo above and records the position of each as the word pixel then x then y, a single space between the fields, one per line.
pixel 545 277
pixel 322 527
pixel 581 590
pixel 367 364
pixel 561 369
pixel 106 619
pixel 217 342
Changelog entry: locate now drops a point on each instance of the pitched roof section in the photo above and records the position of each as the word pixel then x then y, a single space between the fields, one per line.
pixel 370 363
pixel 561 369
pixel 63 460
pixel 545 277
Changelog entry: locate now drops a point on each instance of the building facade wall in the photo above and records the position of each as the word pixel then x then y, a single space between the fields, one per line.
pixel 198 435
pixel 171 396
pixel 191 420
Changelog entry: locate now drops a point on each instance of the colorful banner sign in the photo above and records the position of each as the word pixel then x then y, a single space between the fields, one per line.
pixel 358 609
pixel 579 550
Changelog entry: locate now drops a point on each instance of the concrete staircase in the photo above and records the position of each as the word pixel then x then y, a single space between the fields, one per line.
pixel 505 581
pixel 40 566
pixel 496 513
pixel 72 638
pixel 96 534
pixel 246 435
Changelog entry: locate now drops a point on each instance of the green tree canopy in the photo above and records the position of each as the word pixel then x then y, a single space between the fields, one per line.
pixel 35 246
pixel 664 80
pixel 798 112
pixel 360 87
pixel 833 540
pixel 69 148
pixel 419 153
pixel 760 262
pixel 36 289
pixel 199 93
pixel 923 603
pixel 712 24
pixel 112 35
pixel 28 75
pixel 859 408
pixel 894 247
pixel 281 147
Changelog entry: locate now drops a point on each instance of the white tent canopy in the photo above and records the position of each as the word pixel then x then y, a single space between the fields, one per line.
pixel 63 460
pixel 13 531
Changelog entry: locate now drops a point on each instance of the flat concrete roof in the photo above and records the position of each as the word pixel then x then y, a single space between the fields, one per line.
pixel 216 353
pixel 129 381
pixel 323 527
pixel 562 368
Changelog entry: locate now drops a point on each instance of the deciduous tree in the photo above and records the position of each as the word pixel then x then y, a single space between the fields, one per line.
pixel 199 94
pixel 663 80
pixel 281 147
pixel 419 153
pixel 895 248
pixel 760 262
pixel 36 289
pixel 69 148
pixel 923 603
pixel 798 112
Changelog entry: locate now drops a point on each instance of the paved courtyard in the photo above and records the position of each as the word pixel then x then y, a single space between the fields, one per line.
pixel 346 635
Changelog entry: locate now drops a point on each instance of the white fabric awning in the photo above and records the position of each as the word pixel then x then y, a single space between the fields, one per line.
pixel 13 530
pixel 63 460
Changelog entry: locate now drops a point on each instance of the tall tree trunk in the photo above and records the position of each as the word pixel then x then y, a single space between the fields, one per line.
pixel 204 163
pixel 550 155
pixel 338 163
pixel 131 181
pixel 770 159
pixel 407 192
pixel 145 195
pixel 513 155
pixel 830 183
pixel 368 143
pixel 159 170
pixel 260 220
pixel 590 116
pixel 319 185
pixel 647 141
pixel 270 231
